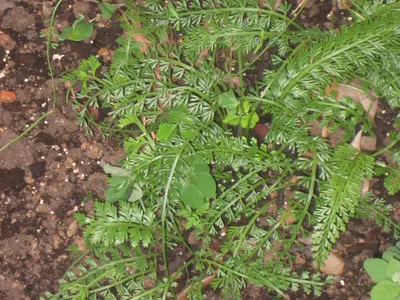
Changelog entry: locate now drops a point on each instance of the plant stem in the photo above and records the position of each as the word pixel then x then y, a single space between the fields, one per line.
pixel 49 36
pixel 27 130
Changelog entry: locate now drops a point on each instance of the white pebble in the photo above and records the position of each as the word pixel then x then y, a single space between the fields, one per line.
pixel 26 80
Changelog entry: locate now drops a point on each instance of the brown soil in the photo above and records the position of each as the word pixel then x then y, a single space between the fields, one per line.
pixel 46 176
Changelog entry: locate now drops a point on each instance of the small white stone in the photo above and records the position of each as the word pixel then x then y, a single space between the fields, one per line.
pixel 42 157
pixel 7 51
pixel 98 162
pixel 41 201
pixel 74 164
pixel 91 42
pixel 45 122
pixel 66 179
pixel 52 212
pixel 26 125
pixel 26 80
pixel 342 282
pixel 232 180
pixel 82 162
pixel 44 105
pixel 383 111
pixel 58 56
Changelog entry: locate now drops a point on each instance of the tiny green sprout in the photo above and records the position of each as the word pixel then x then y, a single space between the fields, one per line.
pixel 123 186
pixel 386 272
pixel 107 10
pixel 199 187
pixel 238 112
pixel 79 31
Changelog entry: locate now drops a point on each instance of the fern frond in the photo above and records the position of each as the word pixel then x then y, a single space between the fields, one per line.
pixel 340 199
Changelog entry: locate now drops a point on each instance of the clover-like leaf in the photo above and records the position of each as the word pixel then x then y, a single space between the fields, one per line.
pixel 79 31
pixel 393 267
pixel 167 132
pixel 120 189
pixel 232 120
pixel 107 10
pixel 244 107
pixel 199 187
pixel 136 194
pixel 229 102
pixel 385 290
pixel 250 120
pixel 376 269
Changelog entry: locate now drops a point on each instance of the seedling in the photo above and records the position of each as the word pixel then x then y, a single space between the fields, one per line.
pixel 79 31
pixel 386 273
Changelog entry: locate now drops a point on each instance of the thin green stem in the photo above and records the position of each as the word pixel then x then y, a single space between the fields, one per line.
pixel 27 130
pixel 48 46
pixel 387 148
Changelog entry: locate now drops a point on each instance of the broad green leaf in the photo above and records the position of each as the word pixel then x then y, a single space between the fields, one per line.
pixel 79 31
pixel 199 187
pixel 250 120
pixel 65 34
pixel 120 189
pixel 244 107
pixel 107 10
pixel 229 102
pixel 376 268
pixel 232 119
pixel 167 132
pixel 82 31
pixel 201 168
pixel 205 183
pixel 136 194
pixel 385 290
pixel 116 171
pixel 393 267
pixel 193 197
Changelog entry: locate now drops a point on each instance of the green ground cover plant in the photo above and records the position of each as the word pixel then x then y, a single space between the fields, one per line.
pixel 184 211
pixel 386 272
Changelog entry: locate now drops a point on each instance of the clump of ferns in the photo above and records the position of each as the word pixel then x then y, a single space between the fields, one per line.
pixel 168 86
